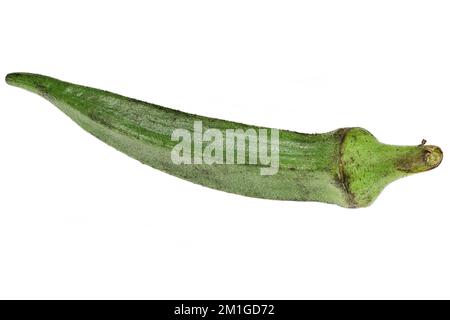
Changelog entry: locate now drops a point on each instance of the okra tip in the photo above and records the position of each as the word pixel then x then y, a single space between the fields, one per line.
pixel 13 78
pixel 19 79
pixel 29 81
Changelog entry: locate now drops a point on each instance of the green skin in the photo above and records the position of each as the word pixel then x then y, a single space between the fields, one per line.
pixel 348 167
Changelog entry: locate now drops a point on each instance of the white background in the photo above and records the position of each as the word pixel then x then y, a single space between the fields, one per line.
pixel 78 219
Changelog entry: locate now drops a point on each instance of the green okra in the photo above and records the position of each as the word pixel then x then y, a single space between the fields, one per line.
pixel 348 167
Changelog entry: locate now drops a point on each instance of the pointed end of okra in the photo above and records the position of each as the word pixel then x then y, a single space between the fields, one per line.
pixel 16 78
pixel 9 79
pixel 29 81
pixel 368 165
